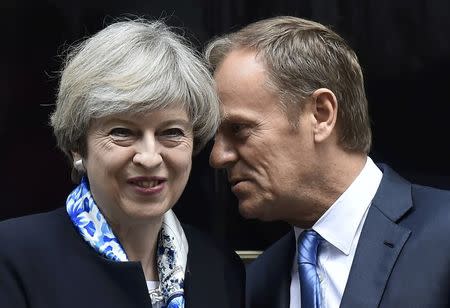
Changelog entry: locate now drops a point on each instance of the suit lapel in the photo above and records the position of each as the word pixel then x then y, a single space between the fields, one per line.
pixel 380 243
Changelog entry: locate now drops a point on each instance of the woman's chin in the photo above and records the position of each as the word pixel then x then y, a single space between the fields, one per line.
pixel 142 215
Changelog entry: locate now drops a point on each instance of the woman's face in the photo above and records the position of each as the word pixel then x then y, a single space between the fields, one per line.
pixel 138 166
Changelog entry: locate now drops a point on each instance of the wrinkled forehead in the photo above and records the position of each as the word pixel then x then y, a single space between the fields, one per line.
pixel 126 108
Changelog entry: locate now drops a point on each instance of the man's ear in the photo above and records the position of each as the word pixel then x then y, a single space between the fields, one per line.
pixel 325 107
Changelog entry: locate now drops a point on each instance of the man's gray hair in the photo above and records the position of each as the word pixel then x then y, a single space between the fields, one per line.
pixel 301 56
pixel 132 66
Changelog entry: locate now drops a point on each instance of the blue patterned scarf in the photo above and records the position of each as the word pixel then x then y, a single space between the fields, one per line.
pixel 171 252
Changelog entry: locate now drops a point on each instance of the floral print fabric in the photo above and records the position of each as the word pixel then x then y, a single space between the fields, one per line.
pixel 171 252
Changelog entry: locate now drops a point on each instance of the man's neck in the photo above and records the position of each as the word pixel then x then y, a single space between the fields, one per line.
pixel 333 179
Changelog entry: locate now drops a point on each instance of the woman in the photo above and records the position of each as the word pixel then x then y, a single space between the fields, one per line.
pixel 134 104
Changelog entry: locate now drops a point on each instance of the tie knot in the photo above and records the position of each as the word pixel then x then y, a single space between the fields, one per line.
pixel 308 244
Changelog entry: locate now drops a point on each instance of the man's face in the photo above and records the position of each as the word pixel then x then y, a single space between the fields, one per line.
pixel 269 162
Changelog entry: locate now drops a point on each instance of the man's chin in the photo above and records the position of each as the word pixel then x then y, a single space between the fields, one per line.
pixel 246 213
pixel 249 211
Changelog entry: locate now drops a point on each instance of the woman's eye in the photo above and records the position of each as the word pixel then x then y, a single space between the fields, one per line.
pixel 121 132
pixel 173 132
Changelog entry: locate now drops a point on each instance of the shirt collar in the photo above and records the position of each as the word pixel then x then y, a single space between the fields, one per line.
pixel 339 224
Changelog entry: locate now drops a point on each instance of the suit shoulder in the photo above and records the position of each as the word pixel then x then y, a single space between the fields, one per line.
pixel 432 203
pixel 268 277
pixel 274 250
pixel 431 195
pixel 430 216
pixel 283 248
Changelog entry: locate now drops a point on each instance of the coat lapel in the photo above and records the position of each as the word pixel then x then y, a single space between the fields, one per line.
pixel 380 243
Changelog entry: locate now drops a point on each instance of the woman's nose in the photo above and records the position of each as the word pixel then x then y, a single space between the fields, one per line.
pixel 148 152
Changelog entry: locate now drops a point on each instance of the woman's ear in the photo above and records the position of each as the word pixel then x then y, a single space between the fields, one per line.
pixel 325 106
pixel 78 162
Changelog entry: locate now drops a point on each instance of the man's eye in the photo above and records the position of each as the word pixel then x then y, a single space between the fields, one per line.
pixel 239 130
pixel 120 132
pixel 236 128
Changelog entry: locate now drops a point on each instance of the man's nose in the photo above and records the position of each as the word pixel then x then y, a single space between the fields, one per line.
pixel 148 152
pixel 222 154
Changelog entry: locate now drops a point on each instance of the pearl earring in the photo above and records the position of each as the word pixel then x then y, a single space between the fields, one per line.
pixel 78 164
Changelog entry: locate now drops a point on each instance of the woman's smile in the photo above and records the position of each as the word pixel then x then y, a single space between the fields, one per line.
pixel 147 185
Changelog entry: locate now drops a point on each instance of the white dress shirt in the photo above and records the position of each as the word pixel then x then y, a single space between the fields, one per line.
pixel 340 226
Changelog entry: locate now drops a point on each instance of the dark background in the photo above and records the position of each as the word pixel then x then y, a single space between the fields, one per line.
pixel 403 46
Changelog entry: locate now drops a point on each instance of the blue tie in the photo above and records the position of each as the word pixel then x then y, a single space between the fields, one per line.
pixel 308 243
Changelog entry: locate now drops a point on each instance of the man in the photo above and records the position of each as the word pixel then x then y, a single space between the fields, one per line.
pixel 294 140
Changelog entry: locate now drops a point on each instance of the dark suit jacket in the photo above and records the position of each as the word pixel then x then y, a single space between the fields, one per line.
pixel 402 258
pixel 45 263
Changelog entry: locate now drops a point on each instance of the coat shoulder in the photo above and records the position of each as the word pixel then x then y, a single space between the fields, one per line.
pixel 24 234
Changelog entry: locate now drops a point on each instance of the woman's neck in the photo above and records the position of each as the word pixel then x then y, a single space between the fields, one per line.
pixel 140 243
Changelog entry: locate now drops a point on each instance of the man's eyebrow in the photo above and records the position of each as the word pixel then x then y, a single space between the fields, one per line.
pixel 230 119
pixel 227 117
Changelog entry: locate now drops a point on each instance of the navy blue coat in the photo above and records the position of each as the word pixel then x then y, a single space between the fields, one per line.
pixel 402 258
pixel 45 263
